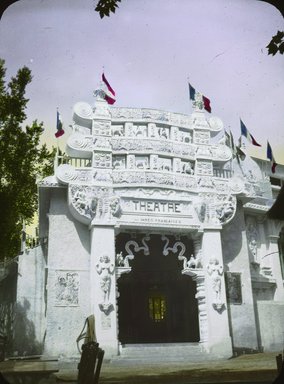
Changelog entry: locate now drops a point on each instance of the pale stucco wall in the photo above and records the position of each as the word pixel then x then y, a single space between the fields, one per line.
pixel 236 259
pixel 68 252
pixel 271 322
pixel 29 325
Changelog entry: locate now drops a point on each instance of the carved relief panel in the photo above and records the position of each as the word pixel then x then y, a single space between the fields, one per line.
pixel 117 130
pixel 129 129
pixel 118 162
pixel 201 137
pixel 152 130
pixel 253 238
pixel 101 127
pixel 234 287
pixel 93 203
pixel 185 136
pixel 204 168
pixel 141 162
pixel 102 160
pixel 67 288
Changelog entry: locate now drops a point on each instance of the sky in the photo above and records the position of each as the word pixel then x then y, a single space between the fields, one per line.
pixel 149 50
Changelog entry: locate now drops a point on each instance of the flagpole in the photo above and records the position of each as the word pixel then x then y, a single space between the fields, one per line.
pixel 55 165
pixel 188 90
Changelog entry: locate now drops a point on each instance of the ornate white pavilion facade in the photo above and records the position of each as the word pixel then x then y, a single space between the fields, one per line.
pixel 155 228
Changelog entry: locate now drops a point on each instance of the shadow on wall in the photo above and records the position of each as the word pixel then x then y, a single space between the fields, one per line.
pixel 232 239
pixel 25 342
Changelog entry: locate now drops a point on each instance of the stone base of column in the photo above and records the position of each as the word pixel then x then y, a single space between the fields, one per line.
pixel 219 349
pixel 111 349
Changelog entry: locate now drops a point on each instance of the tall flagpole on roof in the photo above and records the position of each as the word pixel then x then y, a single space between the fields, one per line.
pixel 55 166
pixel 187 79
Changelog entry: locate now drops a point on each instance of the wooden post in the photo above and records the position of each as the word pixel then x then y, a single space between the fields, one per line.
pixel 279 362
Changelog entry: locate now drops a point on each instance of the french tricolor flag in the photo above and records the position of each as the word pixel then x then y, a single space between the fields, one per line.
pixel 270 156
pixel 206 101
pixel 246 133
pixel 59 125
pixel 109 92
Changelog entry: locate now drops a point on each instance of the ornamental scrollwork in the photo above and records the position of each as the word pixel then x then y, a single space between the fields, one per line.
pixel 66 173
pixel 178 248
pixel 83 110
pixel 80 142
pixel 216 124
pixel 132 247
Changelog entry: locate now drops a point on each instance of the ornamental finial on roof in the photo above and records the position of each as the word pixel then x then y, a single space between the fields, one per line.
pixel 99 92
pixel 198 103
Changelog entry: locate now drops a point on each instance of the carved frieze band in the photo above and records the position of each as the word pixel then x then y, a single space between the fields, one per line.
pixel 158 178
pixel 86 143
pixel 136 114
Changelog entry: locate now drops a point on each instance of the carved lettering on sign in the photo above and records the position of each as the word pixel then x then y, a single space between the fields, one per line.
pixel 156 206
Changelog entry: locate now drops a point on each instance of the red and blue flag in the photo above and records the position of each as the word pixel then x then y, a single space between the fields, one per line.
pixel 246 133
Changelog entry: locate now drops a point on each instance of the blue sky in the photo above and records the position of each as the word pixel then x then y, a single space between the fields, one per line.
pixel 149 49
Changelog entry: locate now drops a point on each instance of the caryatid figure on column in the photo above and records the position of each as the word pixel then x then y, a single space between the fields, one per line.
pixel 105 269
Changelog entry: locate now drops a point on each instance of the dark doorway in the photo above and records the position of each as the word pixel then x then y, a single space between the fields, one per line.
pixel 156 302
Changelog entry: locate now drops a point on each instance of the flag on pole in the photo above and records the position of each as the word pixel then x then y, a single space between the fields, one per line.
pixel 236 149
pixel 109 92
pixel 246 133
pixel 59 125
pixel 270 156
pixel 205 99
pixel 232 143
pixel 227 139
pixel 239 152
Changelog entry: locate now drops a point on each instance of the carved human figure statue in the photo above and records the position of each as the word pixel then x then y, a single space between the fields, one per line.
pixel 215 270
pixel 252 240
pixel 105 269
pixel 115 206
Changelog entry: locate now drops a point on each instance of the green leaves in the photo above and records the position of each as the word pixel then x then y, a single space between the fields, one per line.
pixel 104 7
pixel 276 44
pixel 22 160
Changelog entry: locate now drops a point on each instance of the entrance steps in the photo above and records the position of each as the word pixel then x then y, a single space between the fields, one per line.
pixel 161 353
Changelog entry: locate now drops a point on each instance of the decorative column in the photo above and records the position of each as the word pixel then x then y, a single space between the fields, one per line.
pixel 200 289
pixel 106 209
pixel 202 312
pixel 103 286
pixel 219 340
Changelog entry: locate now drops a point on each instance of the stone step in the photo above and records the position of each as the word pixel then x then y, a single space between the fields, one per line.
pixel 151 353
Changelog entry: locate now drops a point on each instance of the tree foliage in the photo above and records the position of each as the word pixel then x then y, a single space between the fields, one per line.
pixel 276 44
pixel 22 160
pixel 105 7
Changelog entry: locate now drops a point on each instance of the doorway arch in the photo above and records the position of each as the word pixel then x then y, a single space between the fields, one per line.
pixel 156 303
